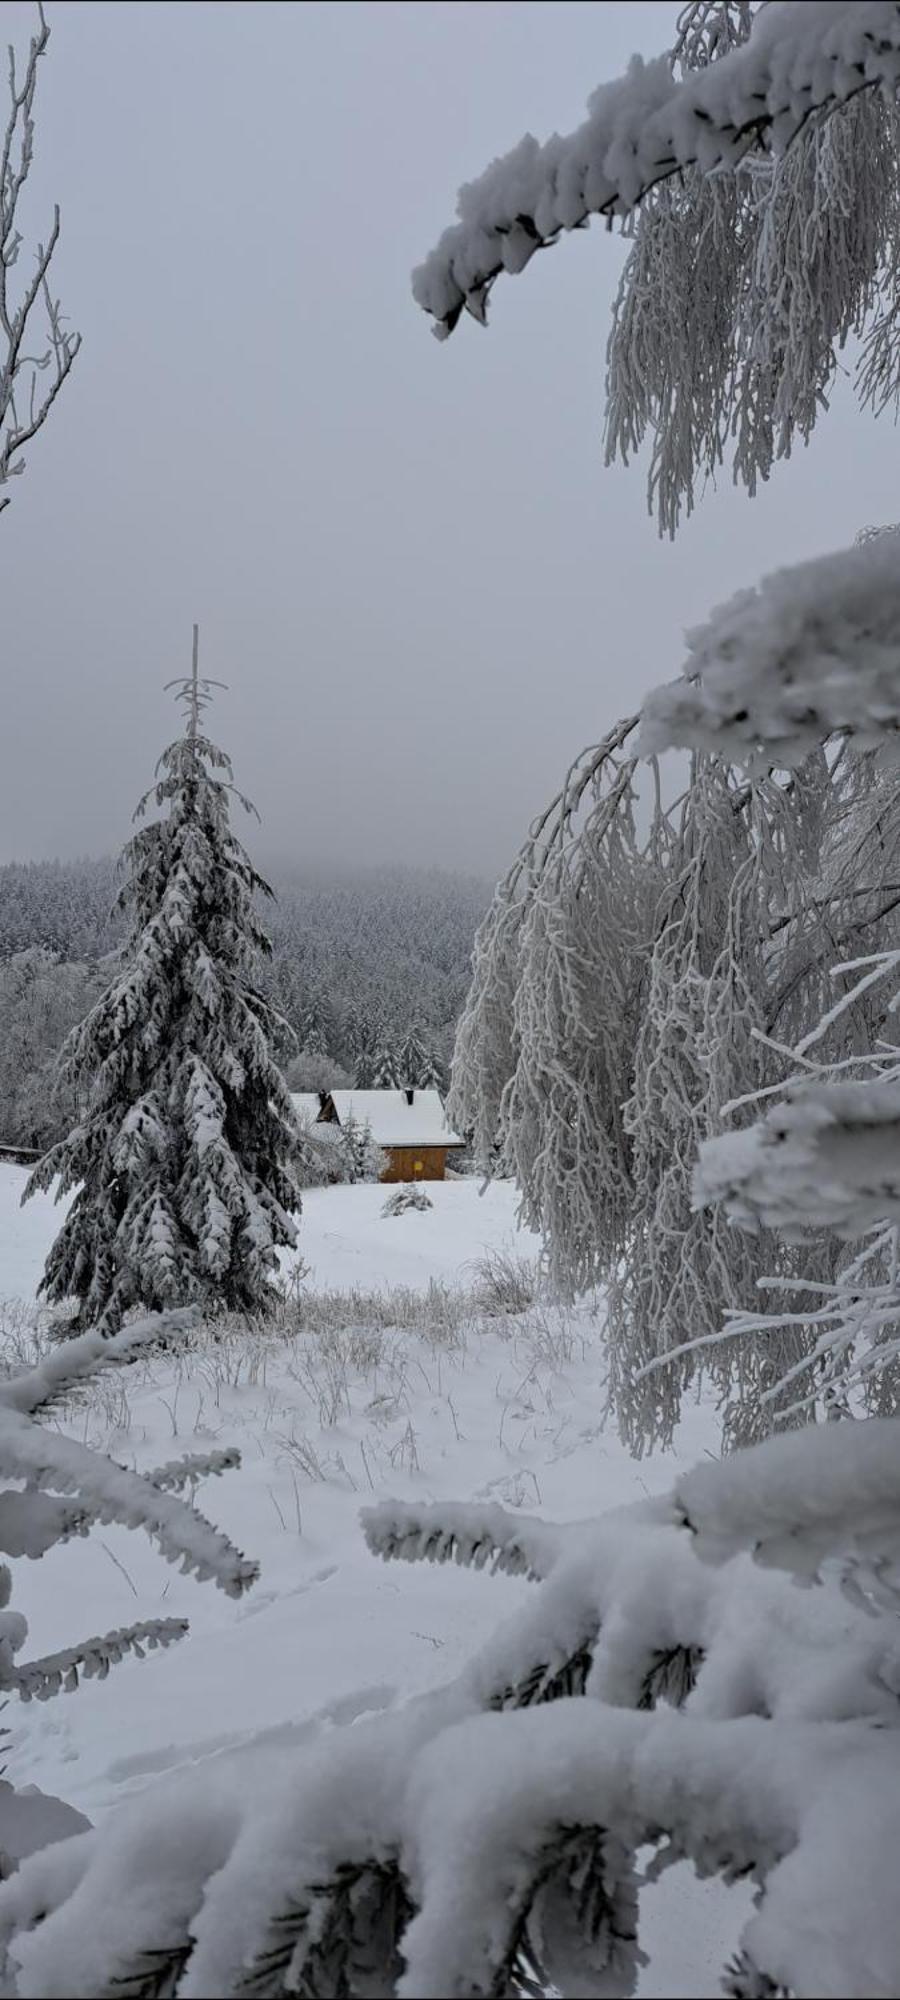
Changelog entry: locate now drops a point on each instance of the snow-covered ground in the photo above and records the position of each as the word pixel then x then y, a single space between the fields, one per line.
pixel 453 1405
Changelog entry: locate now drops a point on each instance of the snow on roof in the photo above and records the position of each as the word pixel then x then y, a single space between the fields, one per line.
pixel 307 1105
pixel 394 1122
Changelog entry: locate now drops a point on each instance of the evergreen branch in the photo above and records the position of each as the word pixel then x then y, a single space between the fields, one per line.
pixel 670 1676
pixel 154 1975
pixel 555 1679
pixel 571 1868
pixel 59 1672
pixel 75 1361
pixel 113 1494
pixel 32 1522
pixel 342 1937
pixel 179 1472
pixel 477 1537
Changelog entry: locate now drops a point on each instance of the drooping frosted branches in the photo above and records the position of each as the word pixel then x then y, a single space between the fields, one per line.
pixel 631 962
pixel 739 295
pixel 648 125
pixel 757 168
pixel 813 656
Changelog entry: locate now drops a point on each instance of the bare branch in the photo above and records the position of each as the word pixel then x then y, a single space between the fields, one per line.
pixel 37 376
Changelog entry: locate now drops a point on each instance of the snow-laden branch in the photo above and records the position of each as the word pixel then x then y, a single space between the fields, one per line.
pixel 75 1361
pixel 829 1491
pixel 811 651
pixel 112 1494
pixel 443 1848
pixel 827 1156
pixel 478 1535
pixel 61 1672
pixel 645 127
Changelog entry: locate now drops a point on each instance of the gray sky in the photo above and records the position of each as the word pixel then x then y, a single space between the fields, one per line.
pixel 407 560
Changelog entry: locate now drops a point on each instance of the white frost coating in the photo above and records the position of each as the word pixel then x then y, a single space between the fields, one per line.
pixel 522 1823
pixel 826 1157
pixel 50 1464
pixel 74 1361
pixel 488 1796
pixel 828 1491
pixel 483 1536
pixel 646 125
pixel 113 1494
pixel 812 651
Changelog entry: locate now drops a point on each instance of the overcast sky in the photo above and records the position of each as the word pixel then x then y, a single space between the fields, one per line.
pixel 406 559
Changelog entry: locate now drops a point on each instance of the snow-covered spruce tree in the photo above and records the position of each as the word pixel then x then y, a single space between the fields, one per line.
pixel 183 1157
pixel 411 1060
pixel 362 1159
pixel 384 1066
pixel 431 1074
pixel 364 1058
pixel 757 166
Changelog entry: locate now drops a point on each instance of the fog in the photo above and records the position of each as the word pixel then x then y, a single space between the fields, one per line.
pixel 407 560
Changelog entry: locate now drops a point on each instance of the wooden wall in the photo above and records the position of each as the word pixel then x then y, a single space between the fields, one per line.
pixel 415 1163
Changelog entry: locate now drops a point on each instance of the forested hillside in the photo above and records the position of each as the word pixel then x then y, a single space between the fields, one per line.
pixel 356 961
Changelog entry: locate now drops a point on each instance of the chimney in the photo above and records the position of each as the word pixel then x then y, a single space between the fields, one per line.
pixel 410 1094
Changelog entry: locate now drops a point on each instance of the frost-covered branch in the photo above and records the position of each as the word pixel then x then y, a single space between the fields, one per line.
pixel 810 652
pixel 827 1156
pixel 34 1517
pixel 648 126
pixel 478 1536
pixel 29 383
pixel 476 1838
pixel 111 1493
pixel 60 1672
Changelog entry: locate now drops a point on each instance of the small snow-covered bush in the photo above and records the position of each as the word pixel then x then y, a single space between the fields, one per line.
pixel 504 1283
pixel 409 1195
pixel 322 1157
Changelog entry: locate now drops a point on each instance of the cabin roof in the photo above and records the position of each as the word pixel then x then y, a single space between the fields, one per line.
pixel 307 1104
pixel 392 1121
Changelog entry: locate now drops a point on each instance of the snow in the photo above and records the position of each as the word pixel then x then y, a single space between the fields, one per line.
pixel 502 1414
pixel 774 672
pixel 307 1104
pixel 393 1121
pixel 825 1157
pixel 644 124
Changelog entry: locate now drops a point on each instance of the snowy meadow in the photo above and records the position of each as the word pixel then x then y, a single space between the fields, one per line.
pixel 416 1358
pixel 541 1635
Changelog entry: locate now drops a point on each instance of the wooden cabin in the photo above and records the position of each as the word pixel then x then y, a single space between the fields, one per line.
pixel 409 1125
